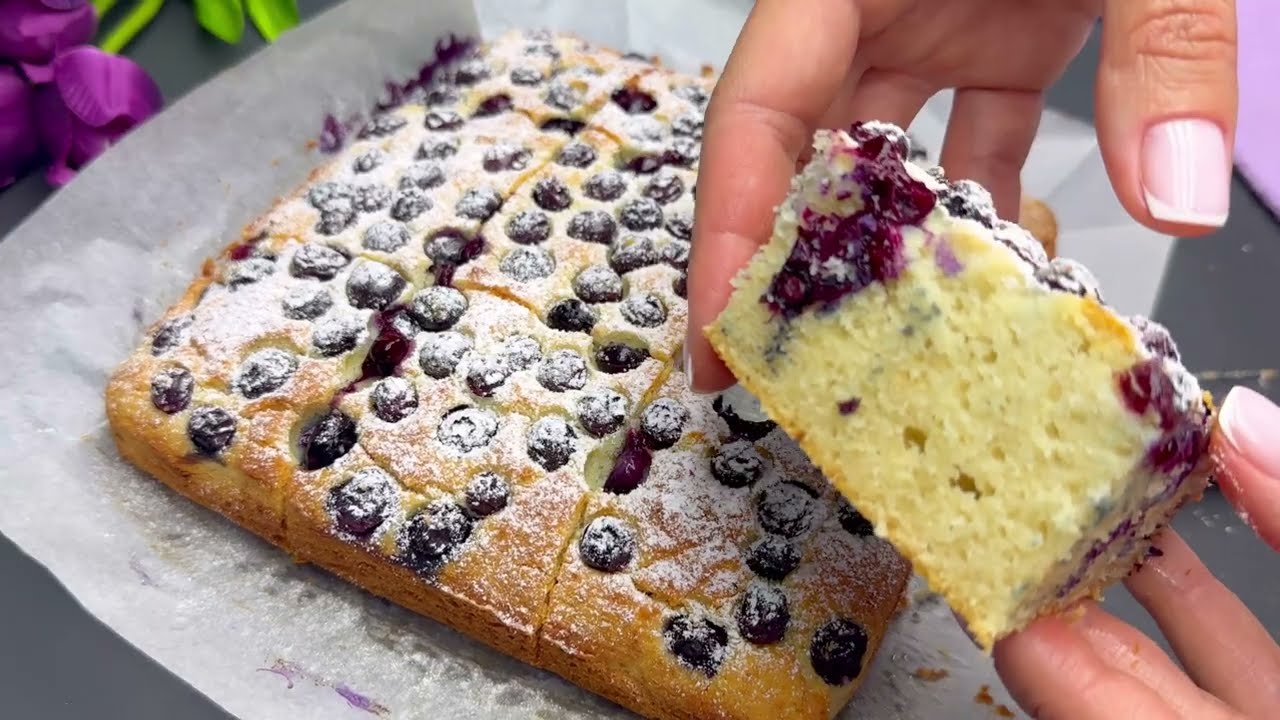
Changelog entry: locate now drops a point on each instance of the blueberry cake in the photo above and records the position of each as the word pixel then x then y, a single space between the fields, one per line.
pixel 447 370
pixel 1012 435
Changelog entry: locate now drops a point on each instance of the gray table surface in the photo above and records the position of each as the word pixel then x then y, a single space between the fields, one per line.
pixel 59 663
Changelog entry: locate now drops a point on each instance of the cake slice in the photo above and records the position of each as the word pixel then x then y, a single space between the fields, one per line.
pixel 1015 438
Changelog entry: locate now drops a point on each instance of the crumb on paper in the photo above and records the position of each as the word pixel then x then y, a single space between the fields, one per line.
pixel 984 696
pixel 311 145
pixel 929 674
pixel 1004 711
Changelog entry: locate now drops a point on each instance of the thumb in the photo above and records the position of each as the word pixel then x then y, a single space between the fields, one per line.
pixel 1166 110
pixel 1247 454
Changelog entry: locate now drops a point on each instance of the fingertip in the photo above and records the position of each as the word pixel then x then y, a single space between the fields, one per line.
pixel 1247 462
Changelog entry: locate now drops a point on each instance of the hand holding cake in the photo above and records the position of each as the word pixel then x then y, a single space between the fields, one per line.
pixel 977 400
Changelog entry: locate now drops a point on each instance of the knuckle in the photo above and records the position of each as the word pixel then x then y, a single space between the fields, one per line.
pixel 1184 30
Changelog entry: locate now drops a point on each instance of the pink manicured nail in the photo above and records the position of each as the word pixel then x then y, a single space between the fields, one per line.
pixel 1186 172
pixel 1251 424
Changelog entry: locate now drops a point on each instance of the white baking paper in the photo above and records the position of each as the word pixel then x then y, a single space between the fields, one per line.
pixel 261 636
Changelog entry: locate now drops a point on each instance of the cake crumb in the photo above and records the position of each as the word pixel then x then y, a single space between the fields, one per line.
pixel 1004 711
pixel 984 696
pixel 929 674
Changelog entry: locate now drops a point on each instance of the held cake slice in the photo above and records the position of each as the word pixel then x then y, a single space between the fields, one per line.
pixel 445 370
pixel 977 402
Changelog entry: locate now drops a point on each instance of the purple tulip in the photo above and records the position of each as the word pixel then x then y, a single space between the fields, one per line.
pixel 19 141
pixel 95 98
pixel 32 32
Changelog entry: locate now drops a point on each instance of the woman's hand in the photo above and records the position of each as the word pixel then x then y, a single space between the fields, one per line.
pixel 1097 666
pixel 1166 110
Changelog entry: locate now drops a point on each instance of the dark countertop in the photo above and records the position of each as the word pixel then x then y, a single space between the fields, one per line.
pixel 1215 299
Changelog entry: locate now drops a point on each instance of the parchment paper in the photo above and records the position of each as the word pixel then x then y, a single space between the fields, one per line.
pixel 262 637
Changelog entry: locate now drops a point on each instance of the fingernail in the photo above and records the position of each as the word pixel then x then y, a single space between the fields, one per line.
pixel 1186 172
pixel 688 365
pixel 1250 423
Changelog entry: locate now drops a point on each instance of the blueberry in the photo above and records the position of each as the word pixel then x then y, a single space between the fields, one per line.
pixel 317 261
pixel 250 270
pixel 385 236
pixel 211 429
pixel 368 161
pixel 680 286
pixel 576 154
pixel 616 358
pixel 441 353
pixel 499 158
pixel 330 197
pixel 773 558
pixel 479 203
pixel 598 284
pixel 434 535
pixel 526 264
pixel 443 120
pixel 332 222
pixel 763 614
pixel 676 254
pixel 688 125
pixel 644 310
pixel 467 428
pixel 371 198
pixel 486 494
pixel 362 503
pixel 737 464
pixel 328 438
pixel 336 334
pixel 529 227
pixel 551 443
pixel 438 150
pixel 560 94
pixel 381 125
pixel 631 466
pixel 662 423
pixel 697 643
pixel 447 246
pixel 680 225
pixel 633 100
pixel 423 176
pixel 663 188
pixel 785 509
pixel 521 351
pixel 494 105
pixel 471 71
pixel 373 286
pixel 438 308
pixel 691 93
pixel 853 521
pixel 525 76
pixel 742 413
pixel 563 370
pixel 265 371
pixel 551 194
pixel 969 200
pixel 487 374
pixel 1155 338
pixel 171 390
pixel 837 651
pixel 633 252
pixel 605 186
pixel 390 347
pixel 568 126
pixel 683 152
pixel 595 226
pixel 171 334
pixel 571 315
pixel 607 544
pixel 393 399
pixel 409 203
pixel 642 213
pixel 601 413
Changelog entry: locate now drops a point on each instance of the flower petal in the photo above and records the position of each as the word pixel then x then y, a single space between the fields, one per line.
pixel 64 4
pixel 19 138
pixel 104 90
pixel 31 32
pixel 54 123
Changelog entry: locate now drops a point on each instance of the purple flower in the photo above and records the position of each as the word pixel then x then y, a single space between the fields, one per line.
pixel 33 32
pixel 94 99
pixel 19 141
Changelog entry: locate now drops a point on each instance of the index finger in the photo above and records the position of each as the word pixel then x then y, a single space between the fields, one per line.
pixel 790 60
pixel 1246 454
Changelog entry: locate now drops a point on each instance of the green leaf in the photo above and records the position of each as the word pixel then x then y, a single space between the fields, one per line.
pixel 273 17
pixel 223 18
